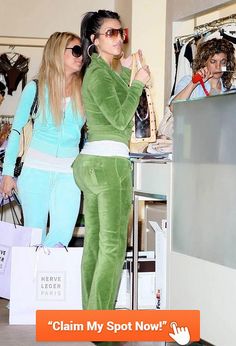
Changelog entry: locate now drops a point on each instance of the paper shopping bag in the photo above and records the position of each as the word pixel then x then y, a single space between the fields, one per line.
pixel 13 235
pixel 46 279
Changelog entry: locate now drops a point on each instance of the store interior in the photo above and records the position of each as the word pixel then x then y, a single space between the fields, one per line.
pixel 192 280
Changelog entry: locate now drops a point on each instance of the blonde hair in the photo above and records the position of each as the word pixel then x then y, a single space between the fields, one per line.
pixel 51 76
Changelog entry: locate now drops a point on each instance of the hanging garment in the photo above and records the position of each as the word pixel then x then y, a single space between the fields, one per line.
pixel 228 31
pixel 177 48
pixel 228 37
pixel 14 73
pixel 185 60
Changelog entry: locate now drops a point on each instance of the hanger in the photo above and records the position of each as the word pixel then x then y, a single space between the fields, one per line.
pixel 12 55
pixel 229 29
pixel 216 24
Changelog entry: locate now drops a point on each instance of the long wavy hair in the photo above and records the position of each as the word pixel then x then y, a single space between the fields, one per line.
pixel 51 77
pixel 208 49
pixel 90 25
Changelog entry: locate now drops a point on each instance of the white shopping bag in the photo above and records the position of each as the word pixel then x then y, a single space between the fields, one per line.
pixel 13 235
pixel 124 294
pixel 46 279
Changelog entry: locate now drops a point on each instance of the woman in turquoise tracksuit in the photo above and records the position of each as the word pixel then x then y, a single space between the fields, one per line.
pixel 46 184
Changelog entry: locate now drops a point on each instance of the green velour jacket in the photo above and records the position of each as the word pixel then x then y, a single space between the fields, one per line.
pixel 109 101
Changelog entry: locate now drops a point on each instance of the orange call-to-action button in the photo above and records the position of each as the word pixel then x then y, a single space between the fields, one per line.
pixel 118 325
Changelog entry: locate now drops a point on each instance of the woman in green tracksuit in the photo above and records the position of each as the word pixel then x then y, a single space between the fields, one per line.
pixel 103 169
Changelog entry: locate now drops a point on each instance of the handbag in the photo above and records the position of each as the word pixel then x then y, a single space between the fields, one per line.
pixel 11 235
pixel 144 129
pixel 26 134
pixel 44 279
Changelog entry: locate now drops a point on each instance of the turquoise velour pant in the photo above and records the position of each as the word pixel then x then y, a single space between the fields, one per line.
pixel 42 192
pixel 107 186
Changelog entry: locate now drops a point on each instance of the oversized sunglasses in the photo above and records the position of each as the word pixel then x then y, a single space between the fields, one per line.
pixel 76 51
pixel 113 33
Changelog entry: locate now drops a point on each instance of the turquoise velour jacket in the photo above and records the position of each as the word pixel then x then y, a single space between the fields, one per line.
pixel 60 141
pixel 109 101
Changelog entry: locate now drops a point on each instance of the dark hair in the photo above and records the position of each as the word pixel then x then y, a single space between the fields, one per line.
pixel 90 25
pixel 214 46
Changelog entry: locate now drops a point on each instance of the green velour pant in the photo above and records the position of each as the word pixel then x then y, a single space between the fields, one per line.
pixel 107 186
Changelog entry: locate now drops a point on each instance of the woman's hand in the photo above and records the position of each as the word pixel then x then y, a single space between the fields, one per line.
pixel 205 74
pixel 7 185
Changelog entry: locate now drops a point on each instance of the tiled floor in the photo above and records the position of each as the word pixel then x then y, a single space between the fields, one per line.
pixel 25 335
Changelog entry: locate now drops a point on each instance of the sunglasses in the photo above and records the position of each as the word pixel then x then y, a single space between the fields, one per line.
pixel 76 51
pixel 113 33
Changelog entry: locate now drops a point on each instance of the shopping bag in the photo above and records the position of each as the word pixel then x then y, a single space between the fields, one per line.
pixel 46 279
pixel 123 300
pixel 13 235
pixel 4 201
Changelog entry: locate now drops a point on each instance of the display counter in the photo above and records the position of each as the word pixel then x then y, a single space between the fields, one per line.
pixel 202 255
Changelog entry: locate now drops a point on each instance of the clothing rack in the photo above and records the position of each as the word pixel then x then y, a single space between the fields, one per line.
pixel 199 30
pixel 217 22
pixel 22 41
pixel 7 117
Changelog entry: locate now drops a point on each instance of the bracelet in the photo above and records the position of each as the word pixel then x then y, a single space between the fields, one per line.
pixel 16 131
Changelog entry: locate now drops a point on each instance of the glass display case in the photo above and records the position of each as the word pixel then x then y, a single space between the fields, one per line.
pixel 204 179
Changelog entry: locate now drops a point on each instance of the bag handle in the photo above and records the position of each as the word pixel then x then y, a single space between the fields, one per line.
pixel 34 107
pixel 14 215
pixel 133 69
pixel 47 250
pixel 136 65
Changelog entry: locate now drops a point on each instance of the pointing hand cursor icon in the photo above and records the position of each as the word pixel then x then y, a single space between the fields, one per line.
pixel 180 334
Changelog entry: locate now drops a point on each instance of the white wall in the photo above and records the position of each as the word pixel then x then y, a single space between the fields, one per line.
pixel 39 19
pixel 183 9
pixel 124 8
pixel 148 34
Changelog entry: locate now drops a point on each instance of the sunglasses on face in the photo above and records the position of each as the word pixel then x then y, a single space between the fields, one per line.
pixel 76 51
pixel 113 33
